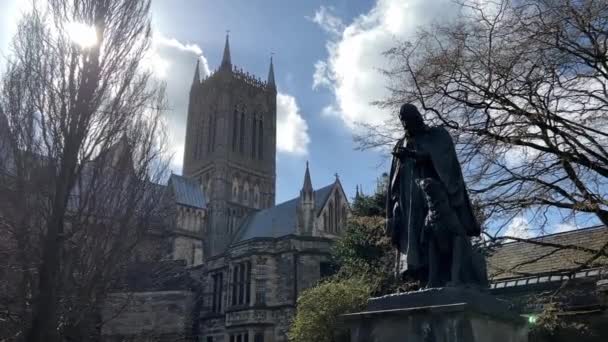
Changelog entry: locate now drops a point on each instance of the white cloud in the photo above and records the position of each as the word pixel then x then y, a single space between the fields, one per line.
pixel 329 22
pixel 321 76
pixel 351 70
pixel 519 227
pixel 159 59
pixel 292 129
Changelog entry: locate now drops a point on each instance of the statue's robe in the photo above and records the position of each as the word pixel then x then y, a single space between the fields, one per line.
pixel 406 206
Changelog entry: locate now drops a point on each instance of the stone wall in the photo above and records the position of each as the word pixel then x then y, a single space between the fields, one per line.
pixel 148 316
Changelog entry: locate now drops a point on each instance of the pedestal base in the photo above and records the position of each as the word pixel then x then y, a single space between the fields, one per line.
pixel 437 315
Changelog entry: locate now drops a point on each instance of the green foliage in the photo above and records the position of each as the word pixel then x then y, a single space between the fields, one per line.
pixel 363 257
pixel 365 251
pixel 372 205
pixel 550 324
pixel 320 307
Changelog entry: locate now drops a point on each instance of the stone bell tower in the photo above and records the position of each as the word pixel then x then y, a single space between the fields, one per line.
pixel 231 146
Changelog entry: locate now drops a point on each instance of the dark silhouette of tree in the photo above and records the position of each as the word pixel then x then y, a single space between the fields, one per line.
pixel 82 145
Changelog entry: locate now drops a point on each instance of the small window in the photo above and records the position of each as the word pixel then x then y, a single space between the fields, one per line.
pixel 259 337
pixel 209 338
pixel 326 269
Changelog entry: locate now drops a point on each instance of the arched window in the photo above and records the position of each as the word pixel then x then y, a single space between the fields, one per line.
pixel 246 193
pixel 344 215
pixel 235 121
pixel 256 196
pixel 261 140
pixel 242 134
pixel 325 222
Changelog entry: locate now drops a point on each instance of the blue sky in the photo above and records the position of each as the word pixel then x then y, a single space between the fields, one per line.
pixel 298 32
pixel 327 56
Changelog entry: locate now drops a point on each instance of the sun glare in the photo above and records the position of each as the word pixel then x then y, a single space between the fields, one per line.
pixel 83 35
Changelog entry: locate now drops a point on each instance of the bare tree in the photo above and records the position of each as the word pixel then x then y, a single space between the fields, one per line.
pixel 82 156
pixel 521 85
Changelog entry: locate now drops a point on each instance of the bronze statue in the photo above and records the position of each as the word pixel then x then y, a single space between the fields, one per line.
pixel 429 214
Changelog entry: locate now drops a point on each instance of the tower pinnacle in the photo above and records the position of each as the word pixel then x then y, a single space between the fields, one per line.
pixel 197 76
pixel 226 61
pixel 307 187
pixel 271 82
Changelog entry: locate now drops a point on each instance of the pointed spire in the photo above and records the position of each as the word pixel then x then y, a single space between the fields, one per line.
pixel 357 194
pixel 226 61
pixel 197 75
pixel 307 182
pixel 271 74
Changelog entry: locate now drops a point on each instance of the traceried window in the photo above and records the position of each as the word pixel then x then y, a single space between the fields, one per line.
pixel 241 283
pixel 216 300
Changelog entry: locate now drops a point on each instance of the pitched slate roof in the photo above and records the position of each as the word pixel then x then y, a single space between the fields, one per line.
pixel 187 191
pixel 520 259
pixel 281 219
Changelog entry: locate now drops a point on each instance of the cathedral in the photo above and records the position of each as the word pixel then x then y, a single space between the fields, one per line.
pixel 249 256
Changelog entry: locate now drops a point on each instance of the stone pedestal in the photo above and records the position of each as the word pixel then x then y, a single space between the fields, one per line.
pixel 437 315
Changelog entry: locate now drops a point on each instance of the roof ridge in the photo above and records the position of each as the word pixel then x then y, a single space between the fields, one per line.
pixel 557 234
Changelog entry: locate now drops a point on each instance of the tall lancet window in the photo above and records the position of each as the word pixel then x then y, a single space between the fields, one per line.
pixel 198 148
pixel 331 217
pixel 254 136
pixel 209 134
pixel 261 140
pixel 213 132
pixel 235 122
pixel 242 134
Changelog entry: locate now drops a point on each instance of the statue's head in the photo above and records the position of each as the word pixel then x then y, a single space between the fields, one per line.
pixel 410 118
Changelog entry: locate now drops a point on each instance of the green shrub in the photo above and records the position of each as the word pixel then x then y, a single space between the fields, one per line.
pixel 319 308
pixel 364 251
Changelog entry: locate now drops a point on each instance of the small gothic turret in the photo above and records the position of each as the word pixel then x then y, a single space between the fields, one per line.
pixel 306 206
pixel 270 81
pixel 226 60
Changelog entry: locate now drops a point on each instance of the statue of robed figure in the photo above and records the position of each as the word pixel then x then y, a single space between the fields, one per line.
pixel 430 218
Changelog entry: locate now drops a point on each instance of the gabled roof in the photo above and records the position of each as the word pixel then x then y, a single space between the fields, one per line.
pixel 187 192
pixel 520 259
pixel 281 219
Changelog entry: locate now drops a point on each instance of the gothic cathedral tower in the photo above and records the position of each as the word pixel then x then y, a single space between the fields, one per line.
pixel 231 147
